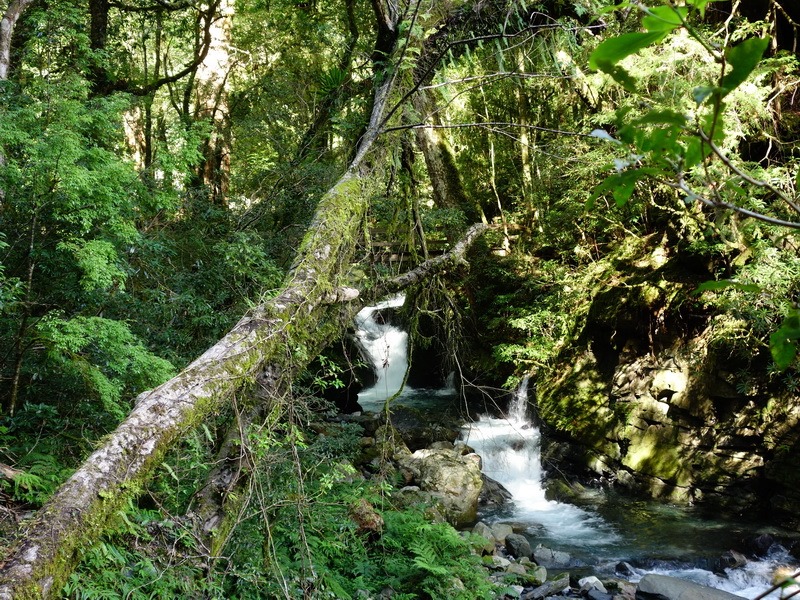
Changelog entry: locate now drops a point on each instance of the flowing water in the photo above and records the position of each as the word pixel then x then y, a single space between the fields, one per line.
pixel 606 528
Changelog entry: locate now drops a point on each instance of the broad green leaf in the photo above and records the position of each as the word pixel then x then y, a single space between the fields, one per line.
pixel 783 343
pixel 666 116
pixel 742 58
pixel 664 18
pixel 702 92
pixel 713 286
pixel 620 75
pixel 613 50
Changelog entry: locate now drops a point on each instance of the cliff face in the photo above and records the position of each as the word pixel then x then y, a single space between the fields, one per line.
pixel 644 382
pixel 651 396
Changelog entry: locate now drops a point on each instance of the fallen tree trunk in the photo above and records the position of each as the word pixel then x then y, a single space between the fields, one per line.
pixel 274 335
pixel 277 337
pixel 216 504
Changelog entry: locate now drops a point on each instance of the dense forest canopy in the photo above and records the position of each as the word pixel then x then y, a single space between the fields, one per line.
pixel 229 180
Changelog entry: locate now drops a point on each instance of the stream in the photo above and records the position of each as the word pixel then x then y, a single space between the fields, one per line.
pixel 602 528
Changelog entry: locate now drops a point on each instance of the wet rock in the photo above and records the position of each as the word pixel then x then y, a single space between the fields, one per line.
pixel 500 531
pixel 493 493
pixel 661 587
pixel 760 545
pixel 591 583
pixel 453 479
pixel 625 569
pixel 729 560
pixel 551 558
pixel 555 586
pixel 518 545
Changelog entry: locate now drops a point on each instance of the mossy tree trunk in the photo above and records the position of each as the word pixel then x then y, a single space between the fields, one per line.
pixel 277 336
pixel 270 344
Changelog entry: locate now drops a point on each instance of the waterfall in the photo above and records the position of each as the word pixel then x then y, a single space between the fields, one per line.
pixel 510 452
pixel 386 345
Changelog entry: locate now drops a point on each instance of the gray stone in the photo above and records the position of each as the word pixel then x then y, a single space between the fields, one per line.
pixel 454 479
pixel 516 569
pixel 591 583
pixel 556 586
pixel 551 558
pixel 518 545
pixel 500 562
pixel 661 587
pixel 597 595
pixel 500 531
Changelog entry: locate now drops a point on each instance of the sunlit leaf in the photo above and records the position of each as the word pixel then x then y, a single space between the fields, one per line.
pixel 742 58
pixel 613 50
pixel 664 18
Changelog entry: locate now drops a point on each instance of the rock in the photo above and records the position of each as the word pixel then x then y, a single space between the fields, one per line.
pixel 367 519
pixel 760 545
pixel 518 545
pixel 536 574
pixel 493 493
pixel 661 587
pixel 625 569
pixel 594 594
pixel 516 569
pixel 454 479
pixel 556 586
pixel 483 530
pixel 500 531
pixel 500 562
pixel 551 558
pixel 591 583
pixel 730 560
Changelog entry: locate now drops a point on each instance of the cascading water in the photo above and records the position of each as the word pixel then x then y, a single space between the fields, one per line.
pixel 509 449
pixel 386 345
pixel 661 538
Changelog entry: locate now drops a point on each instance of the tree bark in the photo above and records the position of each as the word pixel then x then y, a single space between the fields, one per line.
pixel 7 23
pixel 306 310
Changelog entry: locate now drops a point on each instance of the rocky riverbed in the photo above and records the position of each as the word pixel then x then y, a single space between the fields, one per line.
pixel 446 476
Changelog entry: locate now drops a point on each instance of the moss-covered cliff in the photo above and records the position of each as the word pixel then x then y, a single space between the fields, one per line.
pixel 641 380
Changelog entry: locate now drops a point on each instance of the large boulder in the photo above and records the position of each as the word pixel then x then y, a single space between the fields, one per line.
pixel 454 480
pixel 518 546
pixel 662 587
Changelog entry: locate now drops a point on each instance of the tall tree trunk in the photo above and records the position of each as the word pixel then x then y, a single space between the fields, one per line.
pixel 448 190
pixel 211 105
pixel 308 310
pixel 7 23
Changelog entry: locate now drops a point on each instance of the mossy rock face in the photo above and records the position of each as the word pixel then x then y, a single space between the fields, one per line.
pixel 646 396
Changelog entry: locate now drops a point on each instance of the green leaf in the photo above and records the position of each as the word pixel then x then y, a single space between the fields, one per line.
pixel 664 18
pixel 666 117
pixel 620 75
pixel 702 92
pixel 700 5
pixel 742 58
pixel 783 343
pixel 713 286
pixel 613 50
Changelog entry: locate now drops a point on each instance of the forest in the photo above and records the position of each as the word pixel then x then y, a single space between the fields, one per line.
pixel 198 198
